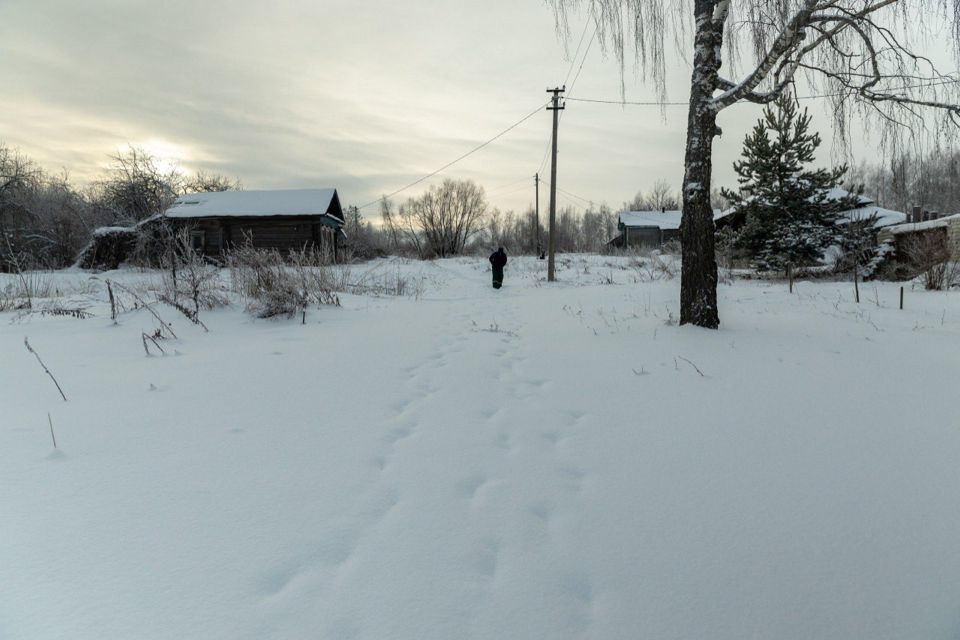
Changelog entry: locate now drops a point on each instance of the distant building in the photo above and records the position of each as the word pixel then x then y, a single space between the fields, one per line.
pixel 927 238
pixel 649 229
pixel 282 219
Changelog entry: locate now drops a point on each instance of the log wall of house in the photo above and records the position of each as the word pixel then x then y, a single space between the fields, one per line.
pixel 274 232
pixel 642 236
pixel 953 238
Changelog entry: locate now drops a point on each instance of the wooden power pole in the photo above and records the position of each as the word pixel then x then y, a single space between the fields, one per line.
pixel 556 107
pixel 536 218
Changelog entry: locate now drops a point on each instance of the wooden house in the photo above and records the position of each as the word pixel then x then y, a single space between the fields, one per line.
pixel 283 219
pixel 926 239
pixel 649 229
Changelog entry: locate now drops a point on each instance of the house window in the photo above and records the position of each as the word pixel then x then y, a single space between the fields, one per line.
pixel 196 240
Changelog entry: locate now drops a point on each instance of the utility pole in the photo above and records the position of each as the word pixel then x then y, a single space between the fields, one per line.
pixel 556 107
pixel 536 220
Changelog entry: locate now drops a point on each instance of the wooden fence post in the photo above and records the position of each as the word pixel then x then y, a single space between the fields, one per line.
pixel 856 285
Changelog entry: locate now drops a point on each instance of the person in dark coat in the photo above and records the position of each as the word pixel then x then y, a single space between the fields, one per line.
pixel 499 260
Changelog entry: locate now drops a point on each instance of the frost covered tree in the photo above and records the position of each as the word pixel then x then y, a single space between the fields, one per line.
pixel 789 215
pixel 444 218
pixel 137 187
pixel 206 182
pixel 865 55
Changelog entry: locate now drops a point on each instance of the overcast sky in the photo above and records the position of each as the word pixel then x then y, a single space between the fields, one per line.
pixel 362 96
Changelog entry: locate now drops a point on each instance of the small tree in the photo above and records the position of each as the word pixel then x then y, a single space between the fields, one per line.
pixel 789 214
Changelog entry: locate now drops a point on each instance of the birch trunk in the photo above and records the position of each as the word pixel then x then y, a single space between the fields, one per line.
pixel 698 280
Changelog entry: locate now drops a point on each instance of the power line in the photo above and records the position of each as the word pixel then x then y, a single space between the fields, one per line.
pixel 573 195
pixel 573 61
pixel 585 54
pixel 468 153
pixel 512 191
pixel 644 104
pixel 546 152
pixel 509 184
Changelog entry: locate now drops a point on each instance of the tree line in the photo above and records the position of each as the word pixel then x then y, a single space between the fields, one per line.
pixel 46 219
pixel 455 217
pixel 909 178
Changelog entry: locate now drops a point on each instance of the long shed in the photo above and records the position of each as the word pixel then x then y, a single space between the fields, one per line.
pixel 649 229
pixel 282 219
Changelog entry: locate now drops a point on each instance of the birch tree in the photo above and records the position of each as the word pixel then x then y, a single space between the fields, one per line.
pixel 866 56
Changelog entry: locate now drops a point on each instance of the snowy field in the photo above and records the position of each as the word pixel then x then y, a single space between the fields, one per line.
pixel 543 461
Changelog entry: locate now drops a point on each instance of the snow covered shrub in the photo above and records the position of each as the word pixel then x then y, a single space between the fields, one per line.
pixel 20 294
pixel 656 267
pixel 190 278
pixel 273 287
pixel 10 300
pixel 928 255
pixel 384 284
pixel 671 248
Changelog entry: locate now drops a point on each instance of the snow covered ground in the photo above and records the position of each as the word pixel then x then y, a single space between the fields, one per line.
pixel 543 461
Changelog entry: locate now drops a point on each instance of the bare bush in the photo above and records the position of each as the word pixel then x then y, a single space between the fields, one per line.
pixel 928 255
pixel 654 267
pixel 192 278
pixel 273 287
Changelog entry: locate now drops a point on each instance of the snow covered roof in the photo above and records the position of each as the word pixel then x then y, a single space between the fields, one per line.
pixel 669 219
pixel 923 226
pixel 885 217
pixel 276 202
pixel 838 194
pixel 831 195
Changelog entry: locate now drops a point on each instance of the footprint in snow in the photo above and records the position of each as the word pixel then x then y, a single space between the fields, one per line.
pixel 553 437
pixel 488 557
pixel 469 486
pixel 489 412
pixel 541 510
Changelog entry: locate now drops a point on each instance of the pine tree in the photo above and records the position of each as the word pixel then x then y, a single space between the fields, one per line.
pixel 787 212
